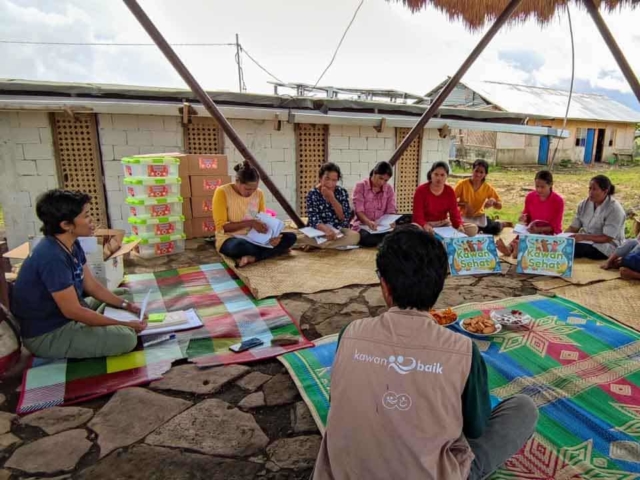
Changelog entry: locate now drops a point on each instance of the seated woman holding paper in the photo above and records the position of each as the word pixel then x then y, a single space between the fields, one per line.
pixel 542 214
pixel 238 209
pixel 329 212
pixel 475 195
pixel 56 321
pixel 375 204
pixel 599 222
pixel 435 204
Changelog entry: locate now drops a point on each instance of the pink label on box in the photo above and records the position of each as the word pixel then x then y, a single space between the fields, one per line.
pixel 207 205
pixel 165 248
pixel 208 163
pixel 131 191
pixel 160 210
pixel 158 191
pixel 158 170
pixel 211 184
pixel 165 228
pixel 133 211
pixel 134 229
pixel 208 226
pixel 127 169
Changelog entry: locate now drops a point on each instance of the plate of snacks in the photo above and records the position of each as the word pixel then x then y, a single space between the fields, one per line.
pixel 446 317
pixel 480 326
pixel 511 318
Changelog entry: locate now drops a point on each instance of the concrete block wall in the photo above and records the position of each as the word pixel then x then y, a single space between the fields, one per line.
pixel 125 135
pixel 275 150
pixel 434 149
pixel 27 169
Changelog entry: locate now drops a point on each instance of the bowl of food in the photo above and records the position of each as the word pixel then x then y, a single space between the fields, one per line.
pixel 511 317
pixel 480 326
pixel 446 317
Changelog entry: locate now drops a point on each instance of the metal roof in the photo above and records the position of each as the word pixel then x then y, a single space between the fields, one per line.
pixel 551 103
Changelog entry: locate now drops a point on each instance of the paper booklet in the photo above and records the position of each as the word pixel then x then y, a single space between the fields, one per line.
pixel 448 232
pixel 159 322
pixel 384 224
pixel 319 236
pixel 262 239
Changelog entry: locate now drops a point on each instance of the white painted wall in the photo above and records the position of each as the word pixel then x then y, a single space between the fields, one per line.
pixel 27 169
pixel 126 135
pixel 434 149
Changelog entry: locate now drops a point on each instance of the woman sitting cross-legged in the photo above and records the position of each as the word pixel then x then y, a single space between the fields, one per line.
pixel 235 206
pixel 475 195
pixel 56 321
pixel 543 212
pixel 599 221
pixel 373 197
pixel 329 211
pixel 435 204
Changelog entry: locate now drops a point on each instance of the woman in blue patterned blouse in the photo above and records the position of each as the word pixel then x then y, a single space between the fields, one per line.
pixel 328 210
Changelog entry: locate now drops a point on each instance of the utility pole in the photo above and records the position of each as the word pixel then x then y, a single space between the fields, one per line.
pixel 238 62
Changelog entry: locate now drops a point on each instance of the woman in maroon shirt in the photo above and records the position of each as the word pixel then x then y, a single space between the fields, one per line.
pixel 435 203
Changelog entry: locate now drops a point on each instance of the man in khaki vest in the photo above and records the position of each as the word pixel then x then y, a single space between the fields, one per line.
pixel 409 398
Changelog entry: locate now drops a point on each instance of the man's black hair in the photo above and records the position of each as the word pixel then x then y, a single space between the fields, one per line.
pixel 413 264
pixel 57 206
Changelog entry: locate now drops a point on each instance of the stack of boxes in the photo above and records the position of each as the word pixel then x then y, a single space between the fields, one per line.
pixel 154 188
pixel 205 174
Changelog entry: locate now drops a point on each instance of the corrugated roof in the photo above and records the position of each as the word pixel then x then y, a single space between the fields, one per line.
pixel 550 102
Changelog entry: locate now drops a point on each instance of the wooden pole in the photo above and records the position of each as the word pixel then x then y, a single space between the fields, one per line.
pixel 613 47
pixel 210 106
pixel 453 81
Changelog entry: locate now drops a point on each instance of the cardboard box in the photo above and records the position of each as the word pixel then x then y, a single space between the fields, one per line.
pixel 203 227
pixel 186 209
pixel 185 189
pixel 204 186
pixel 207 164
pixel 104 251
pixel 202 207
pixel 188 229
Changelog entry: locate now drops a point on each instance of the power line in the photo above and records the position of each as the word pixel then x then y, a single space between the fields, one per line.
pixel 260 66
pixel 110 44
pixel 355 14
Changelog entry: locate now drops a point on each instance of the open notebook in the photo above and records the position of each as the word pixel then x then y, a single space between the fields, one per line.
pixel 159 322
pixel 262 239
pixel 385 223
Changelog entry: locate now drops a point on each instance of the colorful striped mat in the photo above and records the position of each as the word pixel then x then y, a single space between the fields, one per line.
pixel 229 314
pixel 581 368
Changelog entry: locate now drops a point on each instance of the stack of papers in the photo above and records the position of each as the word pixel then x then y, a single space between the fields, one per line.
pixel 319 236
pixel 384 224
pixel 262 239
pixel 159 322
pixel 520 229
pixel 448 232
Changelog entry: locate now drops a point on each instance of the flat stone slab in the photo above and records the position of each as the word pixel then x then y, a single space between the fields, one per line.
pixel 340 296
pixel 132 414
pixel 298 453
pixel 253 381
pixel 499 281
pixel 58 453
pixel 280 390
pixel 4 474
pixel 302 420
pixel 5 421
pixel 295 308
pixel 374 297
pixel 213 427
pixel 253 400
pixel 336 323
pixel 201 381
pixel 8 440
pixel 143 462
pixel 58 419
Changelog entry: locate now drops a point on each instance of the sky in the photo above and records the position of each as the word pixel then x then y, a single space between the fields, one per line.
pixel 387 46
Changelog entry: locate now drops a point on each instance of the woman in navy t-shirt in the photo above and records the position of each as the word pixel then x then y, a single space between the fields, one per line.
pixel 48 297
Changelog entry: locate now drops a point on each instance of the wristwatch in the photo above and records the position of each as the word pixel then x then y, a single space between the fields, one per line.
pixel 125 305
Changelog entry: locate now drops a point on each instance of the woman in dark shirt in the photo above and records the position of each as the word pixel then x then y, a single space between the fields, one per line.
pixel 329 211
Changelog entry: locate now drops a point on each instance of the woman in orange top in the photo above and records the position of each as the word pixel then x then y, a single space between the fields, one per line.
pixel 235 207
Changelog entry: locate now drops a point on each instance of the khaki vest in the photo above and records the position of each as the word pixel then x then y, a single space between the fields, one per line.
pixel 396 401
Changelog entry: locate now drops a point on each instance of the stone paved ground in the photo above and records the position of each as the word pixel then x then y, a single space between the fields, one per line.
pixel 235 422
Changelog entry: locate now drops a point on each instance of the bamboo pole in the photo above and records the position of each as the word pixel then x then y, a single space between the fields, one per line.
pixel 453 81
pixel 209 105
pixel 613 47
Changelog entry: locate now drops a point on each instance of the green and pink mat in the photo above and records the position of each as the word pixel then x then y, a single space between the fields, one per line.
pixel 581 369
pixel 229 314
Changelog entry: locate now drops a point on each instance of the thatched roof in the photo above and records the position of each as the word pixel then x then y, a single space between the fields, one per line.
pixel 475 13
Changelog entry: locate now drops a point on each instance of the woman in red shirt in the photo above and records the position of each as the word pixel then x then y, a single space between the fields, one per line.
pixel 435 203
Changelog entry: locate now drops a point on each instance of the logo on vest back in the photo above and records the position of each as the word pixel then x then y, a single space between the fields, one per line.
pixel 392 400
pixel 400 364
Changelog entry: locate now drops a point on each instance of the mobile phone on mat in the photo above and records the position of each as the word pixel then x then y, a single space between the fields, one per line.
pixel 246 345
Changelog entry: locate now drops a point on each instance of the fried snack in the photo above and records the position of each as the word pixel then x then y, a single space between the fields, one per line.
pixel 479 324
pixel 444 317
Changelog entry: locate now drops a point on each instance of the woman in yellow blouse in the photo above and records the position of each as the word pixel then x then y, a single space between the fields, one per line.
pixel 475 195
pixel 235 207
